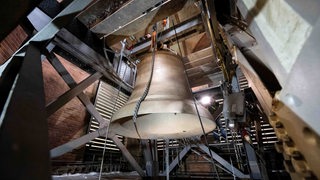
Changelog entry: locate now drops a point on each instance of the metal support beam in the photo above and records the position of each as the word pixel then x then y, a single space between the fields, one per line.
pixel 24 133
pixel 86 50
pixel 53 26
pixel 209 160
pixel 252 159
pixel 84 139
pixel 7 79
pixel 167 172
pixel 68 41
pixel 69 146
pixel 169 33
pixel 150 156
pixel 257 124
pixel 207 25
pixel 224 163
pixel 67 96
pixel 48 31
pixel 128 156
pixel 175 162
pixel 71 83
pixel 24 115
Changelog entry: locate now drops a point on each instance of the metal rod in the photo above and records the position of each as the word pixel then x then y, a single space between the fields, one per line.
pixel 72 83
pixel 48 31
pixel 167 160
pixel 175 33
pixel 113 109
pixel 123 45
pixel 145 92
pixel 175 162
pixel 195 104
pixel 24 149
pixel 252 159
pixel 181 27
pixel 67 96
pixel 69 146
pixel 234 177
pixel 223 162
pixel 7 79
pixel 128 156
pixel 70 47
pixel 209 160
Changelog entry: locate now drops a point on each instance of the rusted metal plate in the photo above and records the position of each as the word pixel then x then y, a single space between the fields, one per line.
pixel 125 15
pixel 99 10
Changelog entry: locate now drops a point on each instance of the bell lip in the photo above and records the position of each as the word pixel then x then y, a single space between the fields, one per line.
pixel 167 106
pixel 128 129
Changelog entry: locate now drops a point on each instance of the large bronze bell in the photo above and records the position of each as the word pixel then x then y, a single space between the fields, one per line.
pixel 168 110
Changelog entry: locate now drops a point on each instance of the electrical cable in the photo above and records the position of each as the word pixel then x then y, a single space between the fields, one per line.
pixel 197 110
pixel 236 148
pixel 106 54
pixel 205 137
pixel 146 91
pixel 234 176
pixel 107 130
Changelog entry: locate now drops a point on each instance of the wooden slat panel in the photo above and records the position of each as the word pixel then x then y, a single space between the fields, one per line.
pixel 105 104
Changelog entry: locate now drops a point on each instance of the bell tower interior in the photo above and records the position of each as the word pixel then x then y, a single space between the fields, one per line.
pixel 159 89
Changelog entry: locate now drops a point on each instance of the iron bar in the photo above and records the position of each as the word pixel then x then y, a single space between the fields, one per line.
pixel 167 160
pixel 48 31
pixel 252 159
pixel 7 79
pixel 128 156
pixel 71 83
pixel 175 162
pixel 196 107
pixel 69 146
pixel 236 147
pixel 24 132
pixel 179 28
pixel 67 96
pixel 223 162
pixel 70 48
pixel 150 155
pixel 107 131
pixel 84 49
pixel 209 160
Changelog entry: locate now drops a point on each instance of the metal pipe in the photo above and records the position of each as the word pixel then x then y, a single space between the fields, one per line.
pixel 167 159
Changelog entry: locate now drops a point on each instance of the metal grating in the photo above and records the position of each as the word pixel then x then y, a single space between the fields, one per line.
pixel 108 100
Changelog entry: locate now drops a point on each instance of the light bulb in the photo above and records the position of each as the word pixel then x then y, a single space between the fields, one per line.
pixel 205 100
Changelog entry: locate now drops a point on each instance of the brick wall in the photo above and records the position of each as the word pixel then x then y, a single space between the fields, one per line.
pixel 70 121
pixel 11 43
